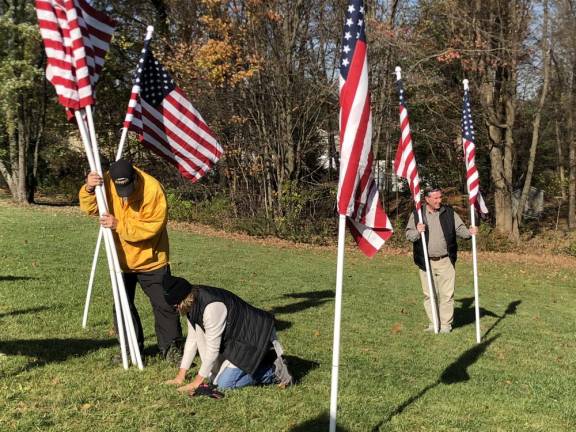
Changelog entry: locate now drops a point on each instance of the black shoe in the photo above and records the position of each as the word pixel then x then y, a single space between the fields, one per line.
pixel 173 354
pixel 116 359
pixel 207 390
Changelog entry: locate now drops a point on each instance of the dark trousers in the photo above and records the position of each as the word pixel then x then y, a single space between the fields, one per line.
pixel 166 318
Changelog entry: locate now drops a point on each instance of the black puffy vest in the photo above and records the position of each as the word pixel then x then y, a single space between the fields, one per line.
pixel 448 229
pixel 246 338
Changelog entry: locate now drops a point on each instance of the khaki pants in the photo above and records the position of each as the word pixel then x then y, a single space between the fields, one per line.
pixel 443 280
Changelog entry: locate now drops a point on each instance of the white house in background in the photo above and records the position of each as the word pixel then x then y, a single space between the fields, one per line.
pixel 379 168
pixel 534 204
pixel 379 172
pixel 324 160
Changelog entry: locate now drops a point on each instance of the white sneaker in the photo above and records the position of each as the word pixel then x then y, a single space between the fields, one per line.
pixel 282 374
pixel 446 329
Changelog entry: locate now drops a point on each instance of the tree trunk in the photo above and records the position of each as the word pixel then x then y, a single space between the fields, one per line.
pixel 535 123
pixel 572 151
pixel 560 160
pixel 572 183
pixel 500 163
pixel 502 194
pixel 13 177
pixel 22 154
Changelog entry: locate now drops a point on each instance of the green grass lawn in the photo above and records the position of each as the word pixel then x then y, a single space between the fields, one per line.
pixel 56 376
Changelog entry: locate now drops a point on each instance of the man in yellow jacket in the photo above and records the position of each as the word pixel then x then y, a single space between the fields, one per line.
pixel 138 217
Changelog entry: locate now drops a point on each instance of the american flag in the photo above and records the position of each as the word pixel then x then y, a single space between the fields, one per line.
pixel 357 191
pixel 405 162
pixel 76 38
pixel 468 138
pixel 167 123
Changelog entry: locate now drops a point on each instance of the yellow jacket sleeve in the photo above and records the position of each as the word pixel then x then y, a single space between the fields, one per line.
pixel 87 201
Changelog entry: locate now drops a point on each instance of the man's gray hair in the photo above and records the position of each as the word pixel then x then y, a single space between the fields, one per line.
pixel 429 189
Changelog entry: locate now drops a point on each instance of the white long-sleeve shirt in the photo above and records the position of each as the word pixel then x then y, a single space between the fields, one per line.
pixel 207 342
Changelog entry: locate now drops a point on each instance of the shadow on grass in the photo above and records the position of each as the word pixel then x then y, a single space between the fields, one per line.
pixel 510 310
pixel 465 314
pixel 456 372
pixel 281 324
pixel 25 311
pixel 310 299
pixel 48 203
pixel 15 278
pixel 45 351
pixel 317 424
pixel 299 367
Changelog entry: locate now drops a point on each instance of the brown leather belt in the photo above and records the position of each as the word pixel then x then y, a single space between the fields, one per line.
pixel 438 258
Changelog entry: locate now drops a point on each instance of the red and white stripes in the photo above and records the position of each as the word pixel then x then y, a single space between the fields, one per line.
pixel 472 177
pixel 76 38
pixel 468 138
pixel 405 162
pixel 177 132
pixel 358 196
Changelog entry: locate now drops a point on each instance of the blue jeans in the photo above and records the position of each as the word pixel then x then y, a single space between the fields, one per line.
pixel 231 377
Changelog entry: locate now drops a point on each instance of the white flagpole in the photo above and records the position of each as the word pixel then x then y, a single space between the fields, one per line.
pixel 398 71
pixel 149 33
pixel 475 268
pixel 337 319
pixel 126 314
pixel 431 293
pixel 474 261
pixel 128 322
pixel 101 207
pixel 91 280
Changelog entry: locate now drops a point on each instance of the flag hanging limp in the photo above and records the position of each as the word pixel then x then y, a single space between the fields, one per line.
pixel 76 38
pixel 405 161
pixel 358 196
pixel 468 139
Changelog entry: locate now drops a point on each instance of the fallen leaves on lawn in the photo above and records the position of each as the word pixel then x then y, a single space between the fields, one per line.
pixel 396 328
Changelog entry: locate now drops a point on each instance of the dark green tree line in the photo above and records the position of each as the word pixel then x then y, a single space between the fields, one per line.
pixel 264 74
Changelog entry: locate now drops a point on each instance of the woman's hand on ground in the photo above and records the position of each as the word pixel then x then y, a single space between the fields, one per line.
pixel 179 379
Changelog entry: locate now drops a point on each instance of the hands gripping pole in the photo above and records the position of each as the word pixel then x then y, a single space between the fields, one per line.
pixel 101 208
pixel 135 89
pixel 431 293
pixel 128 323
pixel 124 319
pixel 125 316
pixel 111 250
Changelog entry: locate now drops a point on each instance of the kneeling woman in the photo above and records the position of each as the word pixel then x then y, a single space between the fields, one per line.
pixel 236 342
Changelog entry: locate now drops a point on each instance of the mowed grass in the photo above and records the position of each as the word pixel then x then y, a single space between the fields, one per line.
pixel 56 376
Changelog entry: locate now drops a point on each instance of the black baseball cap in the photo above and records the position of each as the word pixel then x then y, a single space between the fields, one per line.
pixel 176 289
pixel 123 174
